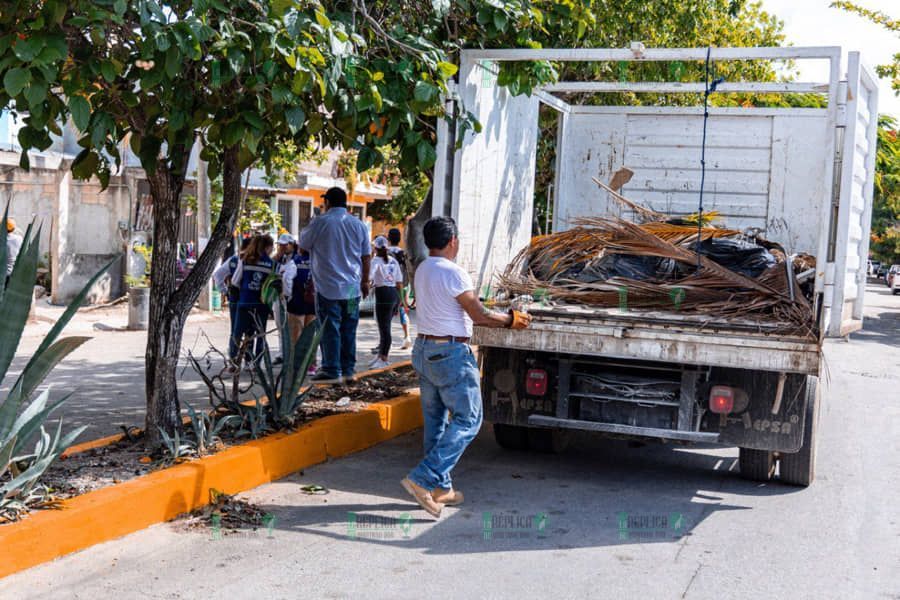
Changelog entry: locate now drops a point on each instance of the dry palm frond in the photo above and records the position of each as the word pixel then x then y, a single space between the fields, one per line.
pixel 645 214
pixel 550 267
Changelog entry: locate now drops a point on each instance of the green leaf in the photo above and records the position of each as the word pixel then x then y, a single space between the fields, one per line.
pixel 424 91
pixel 173 62
pixel 80 109
pixel 500 20
pixel 446 69
pixel 67 315
pixel 15 81
pixel 299 83
pixel 281 95
pixel 55 10
pixel 36 93
pixel 43 362
pixel 108 70
pixel 85 164
pixel 33 417
pixel 17 298
pixel 322 20
pixel 376 97
pixel 426 154
pixel 254 120
pixel 295 118
pixel 232 133
pixel 26 50
pixel 367 158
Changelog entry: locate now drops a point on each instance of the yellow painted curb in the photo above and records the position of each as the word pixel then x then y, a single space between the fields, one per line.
pixel 118 510
pixel 118 437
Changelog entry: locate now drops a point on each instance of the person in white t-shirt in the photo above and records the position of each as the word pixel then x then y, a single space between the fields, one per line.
pixel 387 281
pixel 449 380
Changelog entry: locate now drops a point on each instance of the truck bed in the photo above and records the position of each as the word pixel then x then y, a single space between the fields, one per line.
pixel 658 336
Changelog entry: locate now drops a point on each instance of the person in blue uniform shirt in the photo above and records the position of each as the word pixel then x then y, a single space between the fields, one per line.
pixel 251 272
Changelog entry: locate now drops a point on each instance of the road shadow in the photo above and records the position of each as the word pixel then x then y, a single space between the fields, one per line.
pixel 524 500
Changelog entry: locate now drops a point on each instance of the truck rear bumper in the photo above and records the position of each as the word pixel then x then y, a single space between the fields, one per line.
pixel 666 434
pixel 664 344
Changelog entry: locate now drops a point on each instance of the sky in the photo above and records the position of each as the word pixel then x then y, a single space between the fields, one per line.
pixel 813 23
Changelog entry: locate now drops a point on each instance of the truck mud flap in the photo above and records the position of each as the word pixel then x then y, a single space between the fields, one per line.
pixel 757 427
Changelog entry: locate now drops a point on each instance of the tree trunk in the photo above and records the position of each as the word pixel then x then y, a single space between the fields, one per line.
pixel 170 305
pixel 165 328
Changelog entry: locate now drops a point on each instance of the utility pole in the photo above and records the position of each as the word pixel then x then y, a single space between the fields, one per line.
pixel 203 229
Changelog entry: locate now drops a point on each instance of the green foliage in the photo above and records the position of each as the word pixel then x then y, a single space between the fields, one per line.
pixel 885 245
pixel 174 448
pixel 207 428
pixel 405 201
pixel 282 390
pixel 256 212
pixel 288 158
pixel 282 387
pixel 890 70
pixel 20 470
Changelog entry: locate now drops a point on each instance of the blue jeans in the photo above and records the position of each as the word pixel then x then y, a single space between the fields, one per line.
pixel 450 387
pixel 250 320
pixel 339 319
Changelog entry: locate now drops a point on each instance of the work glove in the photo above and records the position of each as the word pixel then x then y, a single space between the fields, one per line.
pixel 521 320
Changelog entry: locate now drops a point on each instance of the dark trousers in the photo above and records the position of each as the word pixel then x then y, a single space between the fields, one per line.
pixel 387 299
pixel 339 319
pixel 250 320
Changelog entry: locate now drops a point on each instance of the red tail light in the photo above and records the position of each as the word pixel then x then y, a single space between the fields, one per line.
pixel 721 399
pixel 536 382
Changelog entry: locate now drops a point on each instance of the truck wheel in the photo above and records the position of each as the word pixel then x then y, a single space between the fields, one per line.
pixel 756 465
pixel 548 441
pixel 511 437
pixel 799 468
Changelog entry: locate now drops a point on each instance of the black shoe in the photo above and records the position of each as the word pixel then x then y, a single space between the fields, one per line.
pixel 278 360
pixel 323 377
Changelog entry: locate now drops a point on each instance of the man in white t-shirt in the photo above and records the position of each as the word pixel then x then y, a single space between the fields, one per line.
pixel 449 380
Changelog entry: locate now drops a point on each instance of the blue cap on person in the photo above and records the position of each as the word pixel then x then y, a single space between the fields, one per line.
pixel 286 238
pixel 381 242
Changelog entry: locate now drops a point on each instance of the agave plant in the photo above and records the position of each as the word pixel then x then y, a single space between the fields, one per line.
pixel 207 427
pixel 283 389
pixel 20 470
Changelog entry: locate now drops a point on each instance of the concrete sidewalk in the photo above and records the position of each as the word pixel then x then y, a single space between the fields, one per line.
pixel 107 373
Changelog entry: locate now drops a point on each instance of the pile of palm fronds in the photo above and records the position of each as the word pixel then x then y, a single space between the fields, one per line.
pixel 553 267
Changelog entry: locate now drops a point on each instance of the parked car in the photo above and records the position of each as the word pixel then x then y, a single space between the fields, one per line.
pixel 895 285
pixel 891 275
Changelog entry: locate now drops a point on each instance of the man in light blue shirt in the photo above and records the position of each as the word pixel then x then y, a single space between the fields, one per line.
pixel 340 253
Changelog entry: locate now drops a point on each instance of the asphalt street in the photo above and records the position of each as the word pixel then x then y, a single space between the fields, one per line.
pixel 605 519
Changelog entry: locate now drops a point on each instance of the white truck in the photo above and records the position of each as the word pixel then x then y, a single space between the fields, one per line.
pixel 803 176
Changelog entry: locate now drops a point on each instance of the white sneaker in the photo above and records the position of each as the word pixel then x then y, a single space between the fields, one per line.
pixel 407 344
pixel 373 361
pixel 380 364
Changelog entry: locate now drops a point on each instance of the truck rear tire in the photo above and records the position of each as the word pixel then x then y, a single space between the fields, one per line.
pixel 756 465
pixel 799 468
pixel 511 437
